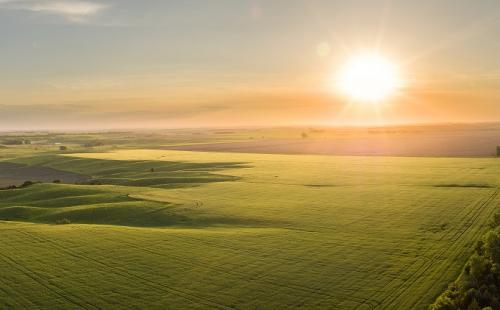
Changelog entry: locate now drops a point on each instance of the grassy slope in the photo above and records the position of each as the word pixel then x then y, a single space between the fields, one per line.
pixel 320 231
pixel 113 205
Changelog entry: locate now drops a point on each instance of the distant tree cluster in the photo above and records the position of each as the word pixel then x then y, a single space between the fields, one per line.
pixel 478 287
pixel 25 184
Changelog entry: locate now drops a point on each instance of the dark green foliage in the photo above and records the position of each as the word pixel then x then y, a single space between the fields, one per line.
pixel 8 187
pixel 478 287
pixel 27 183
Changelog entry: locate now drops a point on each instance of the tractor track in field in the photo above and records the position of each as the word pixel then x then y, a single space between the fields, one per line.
pixel 33 275
pixel 19 297
pixel 420 270
pixel 479 232
pixel 127 275
pixel 476 212
pixel 467 219
pixel 250 278
pixel 290 286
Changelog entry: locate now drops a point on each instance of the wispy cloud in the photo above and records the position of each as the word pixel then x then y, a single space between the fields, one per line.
pixel 71 10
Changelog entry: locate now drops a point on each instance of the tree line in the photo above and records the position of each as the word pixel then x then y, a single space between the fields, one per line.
pixel 478 286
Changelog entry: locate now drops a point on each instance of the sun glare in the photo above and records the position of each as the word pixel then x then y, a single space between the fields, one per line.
pixel 368 78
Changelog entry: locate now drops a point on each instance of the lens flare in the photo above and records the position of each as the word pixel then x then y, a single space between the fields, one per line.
pixel 368 78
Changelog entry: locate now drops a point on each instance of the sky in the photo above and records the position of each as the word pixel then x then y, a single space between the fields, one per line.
pixel 159 64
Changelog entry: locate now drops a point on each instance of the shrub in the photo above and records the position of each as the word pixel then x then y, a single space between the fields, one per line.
pixel 27 183
pixel 8 187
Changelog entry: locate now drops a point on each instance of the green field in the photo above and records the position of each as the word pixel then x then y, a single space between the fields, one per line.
pixel 172 229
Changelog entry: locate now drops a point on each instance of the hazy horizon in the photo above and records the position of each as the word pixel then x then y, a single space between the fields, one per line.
pixel 83 129
pixel 124 64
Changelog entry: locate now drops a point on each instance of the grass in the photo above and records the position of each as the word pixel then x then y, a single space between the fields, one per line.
pixel 111 205
pixel 267 231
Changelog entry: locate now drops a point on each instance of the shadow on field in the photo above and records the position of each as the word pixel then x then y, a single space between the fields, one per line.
pixel 465 185
pixel 142 173
pixel 17 174
pixel 89 203
pixel 66 204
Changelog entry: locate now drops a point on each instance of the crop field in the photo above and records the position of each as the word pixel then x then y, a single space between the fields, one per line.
pixel 155 229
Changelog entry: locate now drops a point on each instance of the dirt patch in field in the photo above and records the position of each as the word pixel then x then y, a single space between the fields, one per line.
pixel 16 174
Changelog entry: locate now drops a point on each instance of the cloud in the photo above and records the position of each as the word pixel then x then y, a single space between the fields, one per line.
pixel 71 10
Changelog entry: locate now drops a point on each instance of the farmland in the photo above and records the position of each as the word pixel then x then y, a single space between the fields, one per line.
pixel 155 228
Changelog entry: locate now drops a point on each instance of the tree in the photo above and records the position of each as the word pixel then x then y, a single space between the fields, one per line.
pixel 492 245
pixel 27 183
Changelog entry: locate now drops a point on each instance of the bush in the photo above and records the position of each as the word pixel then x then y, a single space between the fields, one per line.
pixel 27 183
pixel 8 187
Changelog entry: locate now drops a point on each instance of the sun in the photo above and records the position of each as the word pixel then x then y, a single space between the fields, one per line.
pixel 368 78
